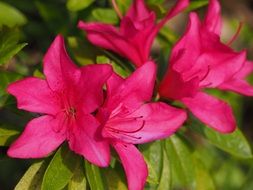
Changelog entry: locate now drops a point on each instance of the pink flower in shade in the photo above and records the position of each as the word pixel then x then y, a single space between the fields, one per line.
pixel 66 98
pixel 198 61
pixel 133 39
pixel 126 119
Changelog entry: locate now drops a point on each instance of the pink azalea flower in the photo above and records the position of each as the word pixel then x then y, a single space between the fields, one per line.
pixel 66 98
pixel 133 40
pixel 127 120
pixel 200 60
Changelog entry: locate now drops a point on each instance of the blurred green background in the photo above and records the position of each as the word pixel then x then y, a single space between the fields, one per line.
pixel 35 23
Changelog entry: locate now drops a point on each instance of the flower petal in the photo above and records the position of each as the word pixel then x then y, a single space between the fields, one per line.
pixel 60 71
pixel 138 11
pixel 174 87
pixel 212 111
pixel 134 165
pixel 222 66
pixel 238 86
pixel 150 122
pixel 188 47
pixel 212 19
pixel 160 121
pixel 246 70
pixel 38 139
pixel 135 90
pixel 89 92
pixel 86 140
pixel 34 95
pixel 108 37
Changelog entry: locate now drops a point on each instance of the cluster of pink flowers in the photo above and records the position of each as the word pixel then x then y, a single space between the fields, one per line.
pixel 93 108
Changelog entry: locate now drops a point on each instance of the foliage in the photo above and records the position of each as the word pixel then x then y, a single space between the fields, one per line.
pixel 196 157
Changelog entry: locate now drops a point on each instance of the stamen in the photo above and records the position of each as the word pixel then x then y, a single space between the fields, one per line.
pixel 236 34
pixel 123 131
pixel 116 8
pixel 208 71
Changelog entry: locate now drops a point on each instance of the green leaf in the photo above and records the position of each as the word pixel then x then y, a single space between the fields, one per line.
pixel 234 143
pixel 10 16
pixel 7 135
pixel 38 74
pixel 60 169
pixel 153 155
pixel 203 178
pixel 165 179
pixel 94 176
pixel 117 68
pixel 77 5
pixel 196 5
pixel 105 15
pixel 114 179
pixel 6 78
pixel 9 44
pixel 83 51
pixel 78 181
pixel 32 179
pixel 180 157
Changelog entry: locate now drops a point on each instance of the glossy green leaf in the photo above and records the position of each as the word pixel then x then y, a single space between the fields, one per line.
pixel 77 5
pixel 78 181
pixel 105 15
pixel 117 68
pixel 9 44
pixel 60 169
pixel 123 5
pixel 203 177
pixel 6 78
pixel 32 179
pixel 10 16
pixel 179 155
pixel 165 178
pixel 153 155
pixel 7 135
pixel 197 4
pixel 234 143
pixel 38 74
pixel 83 52
pixel 94 177
pixel 114 180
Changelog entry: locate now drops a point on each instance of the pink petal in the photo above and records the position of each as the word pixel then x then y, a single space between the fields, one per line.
pixel 60 71
pixel 38 139
pixel 213 19
pixel 174 87
pixel 246 70
pixel 113 83
pixel 88 95
pixel 34 95
pixel 223 65
pixel 150 122
pixel 239 86
pixel 134 165
pixel 138 11
pixel 188 47
pixel 108 37
pixel 140 35
pixel 136 89
pixel 212 111
pixel 86 140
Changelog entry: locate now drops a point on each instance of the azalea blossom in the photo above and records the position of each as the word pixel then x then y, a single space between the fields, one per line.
pixel 137 31
pixel 66 99
pixel 199 61
pixel 127 119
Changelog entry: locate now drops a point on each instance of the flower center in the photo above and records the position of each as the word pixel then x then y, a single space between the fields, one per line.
pixel 71 111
